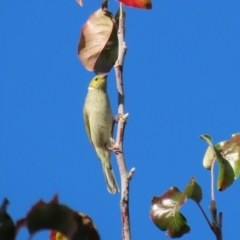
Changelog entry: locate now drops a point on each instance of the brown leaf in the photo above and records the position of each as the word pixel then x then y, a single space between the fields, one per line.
pixel 98 45
pixel 57 217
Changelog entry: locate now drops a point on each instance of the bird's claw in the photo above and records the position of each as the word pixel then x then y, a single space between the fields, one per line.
pixel 119 116
pixel 114 147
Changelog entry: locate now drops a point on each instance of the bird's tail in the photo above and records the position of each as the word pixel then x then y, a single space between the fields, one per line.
pixel 111 182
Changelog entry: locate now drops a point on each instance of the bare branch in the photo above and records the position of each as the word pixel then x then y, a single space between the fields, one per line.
pixel 122 118
pixel 216 225
pixel 216 222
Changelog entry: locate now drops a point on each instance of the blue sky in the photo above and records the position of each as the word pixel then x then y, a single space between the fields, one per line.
pixel 181 78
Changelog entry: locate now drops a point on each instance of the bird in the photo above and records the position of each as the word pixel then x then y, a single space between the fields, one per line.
pixel 98 120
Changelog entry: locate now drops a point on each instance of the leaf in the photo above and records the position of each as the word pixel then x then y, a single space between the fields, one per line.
pixel 230 150
pixel 57 217
pixel 229 161
pixel 209 158
pixel 98 45
pixel 193 190
pixel 90 228
pixel 55 235
pixel 228 156
pixel 207 138
pixel 7 227
pixel 80 2
pixel 144 4
pixel 165 213
pixel 210 154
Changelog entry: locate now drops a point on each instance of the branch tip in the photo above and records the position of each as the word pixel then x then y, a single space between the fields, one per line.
pixel 220 220
pixel 130 174
pixel 125 117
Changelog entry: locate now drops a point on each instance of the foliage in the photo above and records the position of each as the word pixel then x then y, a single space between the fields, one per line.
pixel 99 50
pixel 165 209
pixel 66 223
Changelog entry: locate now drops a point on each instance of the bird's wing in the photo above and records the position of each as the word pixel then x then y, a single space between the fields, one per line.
pixel 86 119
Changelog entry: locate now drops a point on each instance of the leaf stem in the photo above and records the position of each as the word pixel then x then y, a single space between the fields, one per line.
pixel 216 225
pixel 212 181
pixel 204 214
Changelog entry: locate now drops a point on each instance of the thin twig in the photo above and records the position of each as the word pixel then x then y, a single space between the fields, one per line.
pixel 216 225
pixel 204 214
pixel 125 176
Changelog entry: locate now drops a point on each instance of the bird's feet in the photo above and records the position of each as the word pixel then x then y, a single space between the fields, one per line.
pixel 116 118
pixel 114 147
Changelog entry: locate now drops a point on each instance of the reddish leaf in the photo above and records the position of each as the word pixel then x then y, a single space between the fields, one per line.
pixel 7 228
pixel 98 45
pixel 53 235
pixel 144 4
pixel 165 209
pixel 80 2
pixel 165 213
pixel 57 217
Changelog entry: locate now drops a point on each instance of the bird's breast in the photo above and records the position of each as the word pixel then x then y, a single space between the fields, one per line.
pixel 100 117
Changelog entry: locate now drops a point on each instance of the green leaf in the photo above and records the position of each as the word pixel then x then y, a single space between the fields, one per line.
pixel 209 158
pixel 165 213
pixel 210 154
pixel 230 150
pixel 207 138
pixel 228 154
pixel 7 227
pixel 194 191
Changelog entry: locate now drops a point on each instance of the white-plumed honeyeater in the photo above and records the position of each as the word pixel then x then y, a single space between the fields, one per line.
pixel 99 121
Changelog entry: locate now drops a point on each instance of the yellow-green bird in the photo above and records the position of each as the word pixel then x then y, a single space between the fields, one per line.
pixel 99 121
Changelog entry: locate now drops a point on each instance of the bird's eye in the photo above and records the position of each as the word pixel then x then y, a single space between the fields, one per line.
pixel 96 79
